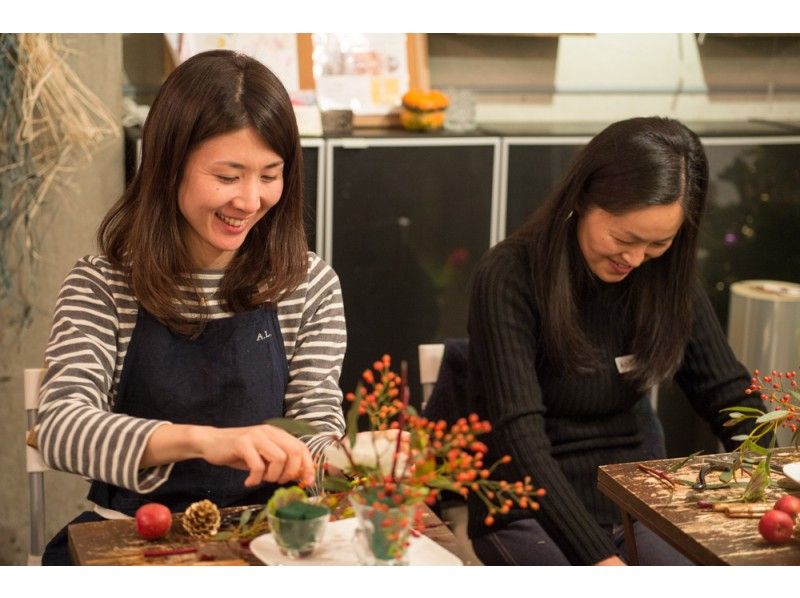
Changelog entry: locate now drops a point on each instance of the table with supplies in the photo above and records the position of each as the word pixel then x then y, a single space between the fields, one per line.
pixel 116 542
pixel 703 521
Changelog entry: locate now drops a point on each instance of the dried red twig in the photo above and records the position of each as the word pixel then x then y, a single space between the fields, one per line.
pixel 659 475
pixel 153 552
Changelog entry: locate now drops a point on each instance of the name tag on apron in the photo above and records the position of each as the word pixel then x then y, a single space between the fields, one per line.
pixel 625 363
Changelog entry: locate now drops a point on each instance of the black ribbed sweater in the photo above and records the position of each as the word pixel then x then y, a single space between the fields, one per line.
pixel 559 427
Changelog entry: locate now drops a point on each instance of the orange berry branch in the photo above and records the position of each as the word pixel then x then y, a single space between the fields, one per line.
pixel 427 456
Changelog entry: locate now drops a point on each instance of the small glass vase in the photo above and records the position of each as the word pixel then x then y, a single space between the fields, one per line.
pixel 382 534
pixel 299 538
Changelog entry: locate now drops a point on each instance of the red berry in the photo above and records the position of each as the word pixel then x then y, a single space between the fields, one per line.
pixel 776 527
pixel 788 503
pixel 153 520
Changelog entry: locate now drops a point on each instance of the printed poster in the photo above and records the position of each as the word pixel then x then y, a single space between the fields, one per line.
pixel 276 50
pixel 364 72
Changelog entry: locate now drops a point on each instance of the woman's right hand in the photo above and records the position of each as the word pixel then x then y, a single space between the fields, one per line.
pixel 268 453
pixel 611 561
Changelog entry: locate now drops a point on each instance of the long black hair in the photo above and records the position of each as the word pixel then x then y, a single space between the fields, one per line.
pixel 210 94
pixel 630 165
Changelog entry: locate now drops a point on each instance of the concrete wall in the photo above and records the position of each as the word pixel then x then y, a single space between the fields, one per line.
pixel 66 229
pixel 606 77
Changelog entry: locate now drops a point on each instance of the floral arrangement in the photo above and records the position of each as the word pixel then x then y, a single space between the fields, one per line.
pixel 781 397
pixel 405 459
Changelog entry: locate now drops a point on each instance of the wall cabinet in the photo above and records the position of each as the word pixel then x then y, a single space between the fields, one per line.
pixel 404 218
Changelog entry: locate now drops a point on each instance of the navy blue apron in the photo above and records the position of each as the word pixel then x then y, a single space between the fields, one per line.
pixel 234 374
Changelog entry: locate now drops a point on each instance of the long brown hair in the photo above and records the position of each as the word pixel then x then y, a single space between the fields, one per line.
pixel 209 94
pixel 629 165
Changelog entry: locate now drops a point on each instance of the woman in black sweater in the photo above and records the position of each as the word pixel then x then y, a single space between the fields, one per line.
pixel 602 272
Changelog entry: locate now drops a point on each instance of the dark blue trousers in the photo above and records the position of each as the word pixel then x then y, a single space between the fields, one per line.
pixel 57 550
pixel 524 542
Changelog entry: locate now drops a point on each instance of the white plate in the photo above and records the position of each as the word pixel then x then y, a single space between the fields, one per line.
pixel 792 471
pixel 337 549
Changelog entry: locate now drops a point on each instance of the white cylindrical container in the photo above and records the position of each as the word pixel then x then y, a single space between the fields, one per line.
pixel 764 327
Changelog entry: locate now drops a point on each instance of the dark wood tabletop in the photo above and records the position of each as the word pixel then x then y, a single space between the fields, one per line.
pixel 726 534
pixel 116 542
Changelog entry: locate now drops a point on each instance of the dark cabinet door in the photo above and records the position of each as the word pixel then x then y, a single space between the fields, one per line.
pixel 408 220
pixel 533 167
pixel 753 215
pixel 313 187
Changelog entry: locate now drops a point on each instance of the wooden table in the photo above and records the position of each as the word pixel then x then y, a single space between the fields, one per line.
pixel 705 536
pixel 116 542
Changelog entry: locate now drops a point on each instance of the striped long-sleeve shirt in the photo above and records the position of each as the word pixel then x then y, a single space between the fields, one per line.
pixel 94 319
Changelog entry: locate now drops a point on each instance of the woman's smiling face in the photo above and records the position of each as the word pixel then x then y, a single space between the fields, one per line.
pixel 229 183
pixel 614 245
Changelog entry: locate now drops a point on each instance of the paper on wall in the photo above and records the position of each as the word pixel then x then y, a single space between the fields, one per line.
pixel 364 72
pixel 278 51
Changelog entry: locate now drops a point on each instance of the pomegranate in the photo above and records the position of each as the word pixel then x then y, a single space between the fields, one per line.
pixel 776 527
pixel 153 520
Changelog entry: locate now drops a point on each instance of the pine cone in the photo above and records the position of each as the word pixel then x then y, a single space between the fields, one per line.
pixel 201 519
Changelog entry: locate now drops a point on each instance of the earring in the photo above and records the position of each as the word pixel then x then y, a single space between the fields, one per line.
pixel 571 212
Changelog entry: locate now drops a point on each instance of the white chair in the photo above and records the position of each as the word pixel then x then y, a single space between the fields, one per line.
pixel 35 466
pixel 430 359
pixel 454 511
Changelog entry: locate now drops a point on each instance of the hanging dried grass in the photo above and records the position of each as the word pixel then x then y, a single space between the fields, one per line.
pixel 51 122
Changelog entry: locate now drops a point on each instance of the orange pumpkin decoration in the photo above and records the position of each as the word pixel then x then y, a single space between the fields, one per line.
pixel 423 110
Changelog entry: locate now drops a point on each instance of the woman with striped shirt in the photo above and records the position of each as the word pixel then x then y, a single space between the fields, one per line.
pixel 204 316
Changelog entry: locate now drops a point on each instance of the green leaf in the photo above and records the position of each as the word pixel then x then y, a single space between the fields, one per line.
pixel 443 484
pixel 758 483
pixel 295 427
pixel 772 416
pixel 284 496
pixel 262 514
pixel 419 440
pixel 676 466
pixel 335 484
pixel 752 446
pixel 245 517
pixel 743 409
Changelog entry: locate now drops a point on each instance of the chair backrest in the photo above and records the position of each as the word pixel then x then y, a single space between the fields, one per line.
pixel 430 360
pixel 35 466
pixel 653 395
